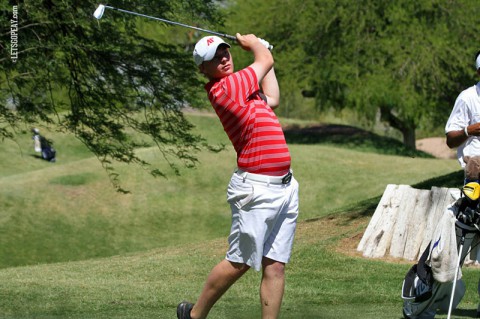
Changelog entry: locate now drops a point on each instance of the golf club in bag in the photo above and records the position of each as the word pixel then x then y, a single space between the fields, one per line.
pixel 466 235
pixel 98 14
pixel 434 283
pixel 468 220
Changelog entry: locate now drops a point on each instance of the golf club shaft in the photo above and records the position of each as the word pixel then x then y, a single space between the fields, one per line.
pixel 231 37
pixel 462 241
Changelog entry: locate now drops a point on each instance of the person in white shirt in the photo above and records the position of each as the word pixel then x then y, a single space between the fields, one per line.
pixel 463 132
pixel 463 125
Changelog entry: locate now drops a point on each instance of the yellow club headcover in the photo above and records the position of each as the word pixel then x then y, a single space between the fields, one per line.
pixel 472 190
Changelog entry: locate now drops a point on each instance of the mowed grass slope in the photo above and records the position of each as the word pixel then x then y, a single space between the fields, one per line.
pixel 321 282
pixel 166 235
pixel 69 210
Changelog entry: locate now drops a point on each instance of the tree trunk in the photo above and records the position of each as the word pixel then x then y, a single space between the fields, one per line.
pixel 406 127
pixel 409 139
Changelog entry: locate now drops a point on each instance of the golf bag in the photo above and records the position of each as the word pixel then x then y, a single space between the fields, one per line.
pixel 427 287
pixel 48 153
pixel 43 146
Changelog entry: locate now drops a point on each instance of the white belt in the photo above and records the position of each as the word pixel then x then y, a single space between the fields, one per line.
pixel 285 179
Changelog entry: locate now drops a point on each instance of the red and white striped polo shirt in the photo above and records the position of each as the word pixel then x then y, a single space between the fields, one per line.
pixel 251 125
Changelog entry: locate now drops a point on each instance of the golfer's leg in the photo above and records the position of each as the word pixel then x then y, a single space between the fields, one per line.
pixel 222 276
pixel 272 287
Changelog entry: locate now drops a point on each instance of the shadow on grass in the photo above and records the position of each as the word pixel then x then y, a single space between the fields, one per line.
pixel 367 207
pixel 468 313
pixel 452 180
pixel 362 140
pixel 349 137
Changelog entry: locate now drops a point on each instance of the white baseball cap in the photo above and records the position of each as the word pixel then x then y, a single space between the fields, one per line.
pixel 206 48
pixel 477 62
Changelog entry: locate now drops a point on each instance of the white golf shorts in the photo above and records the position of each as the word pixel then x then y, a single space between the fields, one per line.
pixel 264 218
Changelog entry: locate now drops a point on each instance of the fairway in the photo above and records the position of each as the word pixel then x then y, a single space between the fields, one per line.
pixel 122 125
pixel 322 283
pixel 72 247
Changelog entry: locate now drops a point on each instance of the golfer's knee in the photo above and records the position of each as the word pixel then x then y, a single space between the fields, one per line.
pixel 237 269
pixel 273 268
pixel 238 266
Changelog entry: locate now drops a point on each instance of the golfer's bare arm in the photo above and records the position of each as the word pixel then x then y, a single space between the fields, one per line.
pixel 270 89
pixel 262 66
pixel 456 138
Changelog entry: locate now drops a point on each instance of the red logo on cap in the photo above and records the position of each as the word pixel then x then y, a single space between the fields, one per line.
pixel 210 41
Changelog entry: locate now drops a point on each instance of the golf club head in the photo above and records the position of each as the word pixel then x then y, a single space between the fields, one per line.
pixel 99 11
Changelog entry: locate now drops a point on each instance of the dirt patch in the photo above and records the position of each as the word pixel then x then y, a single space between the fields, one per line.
pixel 344 231
pixel 348 246
pixel 350 229
pixel 437 147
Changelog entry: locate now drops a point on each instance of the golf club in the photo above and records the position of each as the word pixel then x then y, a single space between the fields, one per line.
pixel 101 9
pixel 462 241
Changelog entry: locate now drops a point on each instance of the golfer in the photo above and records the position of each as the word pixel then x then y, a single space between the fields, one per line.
pixel 262 193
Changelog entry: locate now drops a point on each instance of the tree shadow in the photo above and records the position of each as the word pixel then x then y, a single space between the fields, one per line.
pixel 468 313
pixel 362 140
pixel 41 158
pixel 349 137
pixel 367 207
pixel 451 180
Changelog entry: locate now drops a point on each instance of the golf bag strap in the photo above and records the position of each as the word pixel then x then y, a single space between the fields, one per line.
pixel 424 271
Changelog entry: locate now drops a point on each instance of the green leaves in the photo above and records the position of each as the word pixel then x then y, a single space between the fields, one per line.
pixel 407 58
pixel 102 79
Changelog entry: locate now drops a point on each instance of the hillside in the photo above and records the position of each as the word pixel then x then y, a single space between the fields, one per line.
pixel 322 281
pixel 96 253
pixel 69 211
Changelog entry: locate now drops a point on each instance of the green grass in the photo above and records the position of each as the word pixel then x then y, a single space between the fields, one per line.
pixel 72 247
pixel 321 283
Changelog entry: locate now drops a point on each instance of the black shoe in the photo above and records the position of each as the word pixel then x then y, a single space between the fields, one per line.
pixel 183 310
